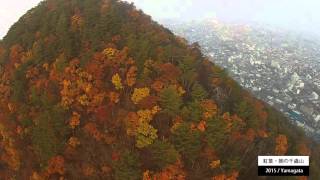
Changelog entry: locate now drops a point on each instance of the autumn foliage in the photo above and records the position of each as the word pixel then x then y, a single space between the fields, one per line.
pixel 281 145
pixel 56 165
pixel 139 94
pixel 94 89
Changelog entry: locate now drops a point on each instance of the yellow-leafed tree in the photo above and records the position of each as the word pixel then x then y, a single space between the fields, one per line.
pixel 146 134
pixel 116 81
pixel 139 94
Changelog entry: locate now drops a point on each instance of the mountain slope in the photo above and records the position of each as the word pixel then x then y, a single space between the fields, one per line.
pixel 94 89
pixel 272 64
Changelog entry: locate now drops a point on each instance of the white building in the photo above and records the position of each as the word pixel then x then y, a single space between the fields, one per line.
pixel 314 96
pixel 317 119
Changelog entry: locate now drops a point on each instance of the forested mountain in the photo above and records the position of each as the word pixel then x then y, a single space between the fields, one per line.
pixel 94 89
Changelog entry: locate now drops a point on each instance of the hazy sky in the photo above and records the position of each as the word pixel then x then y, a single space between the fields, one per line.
pixel 304 14
pixel 11 11
pixel 291 14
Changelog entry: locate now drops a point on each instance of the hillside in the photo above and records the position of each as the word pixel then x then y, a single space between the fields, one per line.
pixel 94 89
pixel 278 67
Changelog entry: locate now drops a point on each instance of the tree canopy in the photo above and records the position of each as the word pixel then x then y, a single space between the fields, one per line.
pixel 94 89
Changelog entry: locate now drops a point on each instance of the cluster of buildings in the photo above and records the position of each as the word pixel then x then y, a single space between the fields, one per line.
pixel 279 67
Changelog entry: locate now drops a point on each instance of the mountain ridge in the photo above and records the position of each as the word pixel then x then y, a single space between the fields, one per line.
pixel 94 89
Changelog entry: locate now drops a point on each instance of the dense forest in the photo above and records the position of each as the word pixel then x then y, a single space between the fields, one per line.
pixel 94 89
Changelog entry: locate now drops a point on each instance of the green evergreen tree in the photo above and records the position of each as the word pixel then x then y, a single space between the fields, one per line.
pixel 187 142
pixel 192 112
pixel 188 68
pixel 170 101
pixel 216 133
pixel 49 133
pixel 127 167
pixel 19 83
pixel 162 153
pixel 198 93
pixel 246 112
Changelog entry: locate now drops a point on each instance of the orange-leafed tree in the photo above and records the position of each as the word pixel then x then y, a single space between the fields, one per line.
pixel 174 171
pixel 303 149
pixel 281 145
pixel 75 120
pixel 131 76
pixel 157 85
pixel 147 102
pixel 56 165
pixel 74 142
pixel 215 164
pixel 15 53
pixel 210 108
pixel 169 72
pixel 114 97
pixel 132 122
pixel 77 20
pixel 91 129
pixel 9 154
pixel 88 170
